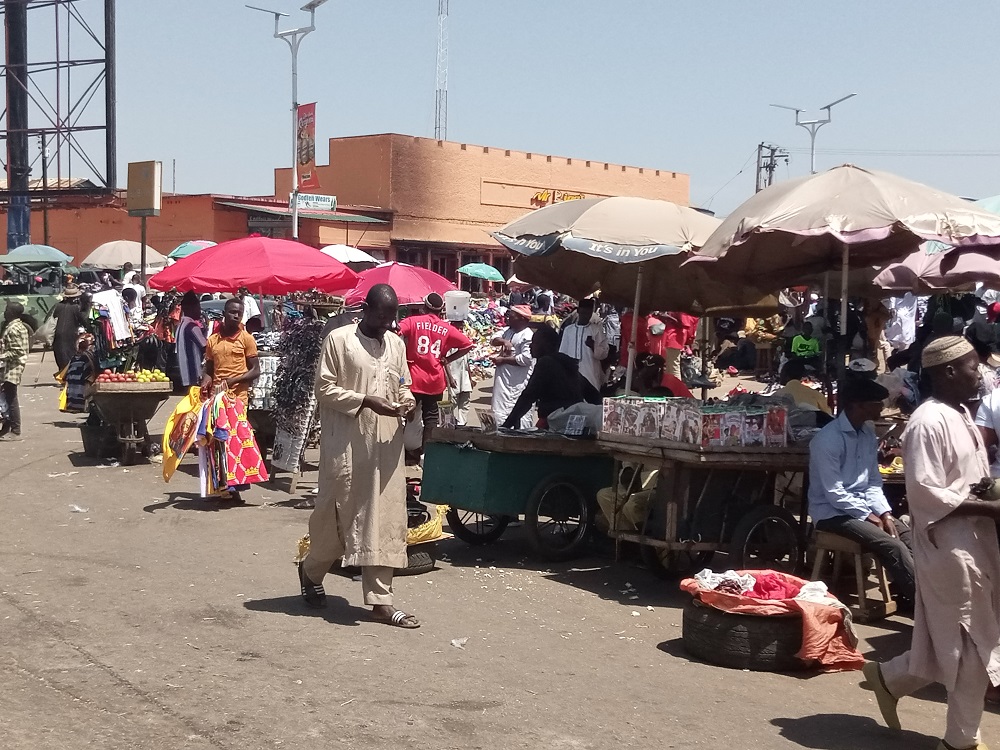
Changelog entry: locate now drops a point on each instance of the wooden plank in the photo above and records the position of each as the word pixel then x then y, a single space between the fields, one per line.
pixel 548 444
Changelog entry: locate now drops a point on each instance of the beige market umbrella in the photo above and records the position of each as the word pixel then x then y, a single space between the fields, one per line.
pixel 629 248
pixel 115 254
pixel 846 216
pixel 921 273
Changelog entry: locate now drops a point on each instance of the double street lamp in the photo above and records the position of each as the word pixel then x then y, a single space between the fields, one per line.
pixel 813 126
pixel 294 37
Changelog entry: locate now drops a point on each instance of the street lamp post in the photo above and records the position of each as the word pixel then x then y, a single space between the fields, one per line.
pixel 813 126
pixel 294 38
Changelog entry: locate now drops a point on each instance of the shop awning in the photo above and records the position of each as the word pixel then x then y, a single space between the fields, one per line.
pixel 316 215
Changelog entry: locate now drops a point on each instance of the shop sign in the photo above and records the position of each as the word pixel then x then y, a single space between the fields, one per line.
pixel 314 202
pixel 547 197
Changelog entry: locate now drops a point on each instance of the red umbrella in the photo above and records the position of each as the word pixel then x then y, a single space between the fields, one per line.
pixel 261 264
pixel 411 283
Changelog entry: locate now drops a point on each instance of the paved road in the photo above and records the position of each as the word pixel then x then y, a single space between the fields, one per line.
pixel 152 619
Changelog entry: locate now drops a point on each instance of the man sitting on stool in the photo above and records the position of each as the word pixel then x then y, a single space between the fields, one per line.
pixel 845 487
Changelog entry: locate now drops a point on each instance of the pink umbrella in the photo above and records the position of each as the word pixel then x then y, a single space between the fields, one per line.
pixel 260 264
pixel 921 273
pixel 411 283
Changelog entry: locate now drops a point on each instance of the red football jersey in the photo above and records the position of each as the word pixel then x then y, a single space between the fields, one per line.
pixel 428 340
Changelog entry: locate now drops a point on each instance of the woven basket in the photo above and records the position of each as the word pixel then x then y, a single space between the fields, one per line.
pixel 100 387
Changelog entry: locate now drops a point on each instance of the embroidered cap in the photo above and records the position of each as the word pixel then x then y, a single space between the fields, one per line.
pixel 945 349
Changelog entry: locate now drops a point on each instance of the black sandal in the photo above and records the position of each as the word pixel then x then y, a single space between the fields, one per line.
pixel 313 593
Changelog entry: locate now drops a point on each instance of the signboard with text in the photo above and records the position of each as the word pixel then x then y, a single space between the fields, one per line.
pixel 313 202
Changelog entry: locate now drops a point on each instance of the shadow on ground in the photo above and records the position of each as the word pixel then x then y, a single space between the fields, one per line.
pixel 193 501
pixel 337 610
pixel 846 732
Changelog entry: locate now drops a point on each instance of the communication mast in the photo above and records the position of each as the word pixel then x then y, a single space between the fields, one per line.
pixel 58 130
pixel 441 90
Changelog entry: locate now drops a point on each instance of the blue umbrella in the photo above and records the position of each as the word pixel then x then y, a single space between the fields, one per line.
pixel 190 247
pixel 36 254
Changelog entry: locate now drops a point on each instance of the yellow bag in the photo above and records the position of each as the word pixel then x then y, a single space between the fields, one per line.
pixel 429 531
pixel 62 399
pixel 188 404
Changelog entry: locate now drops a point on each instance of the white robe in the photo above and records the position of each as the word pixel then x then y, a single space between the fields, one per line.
pixel 361 506
pixel 574 343
pixel 509 380
pixel 956 557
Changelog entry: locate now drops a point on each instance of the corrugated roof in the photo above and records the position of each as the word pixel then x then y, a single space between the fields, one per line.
pixel 318 215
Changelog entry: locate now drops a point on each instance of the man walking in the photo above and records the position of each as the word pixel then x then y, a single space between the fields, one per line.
pixel 13 359
pixel 428 338
pixel 956 631
pixel 363 392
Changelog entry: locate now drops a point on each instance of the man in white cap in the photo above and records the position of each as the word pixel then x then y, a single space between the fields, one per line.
pixel 956 631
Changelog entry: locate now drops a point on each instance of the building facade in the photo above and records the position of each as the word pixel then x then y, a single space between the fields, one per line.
pixel 441 199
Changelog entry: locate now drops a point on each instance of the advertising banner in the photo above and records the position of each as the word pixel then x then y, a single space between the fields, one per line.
pixel 306 147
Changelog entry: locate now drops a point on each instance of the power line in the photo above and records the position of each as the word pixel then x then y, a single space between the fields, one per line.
pixel 753 155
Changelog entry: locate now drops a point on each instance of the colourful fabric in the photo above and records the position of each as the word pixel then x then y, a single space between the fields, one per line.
pixel 181 431
pixel 14 351
pixel 229 356
pixel 826 638
pixel 244 462
pixel 427 339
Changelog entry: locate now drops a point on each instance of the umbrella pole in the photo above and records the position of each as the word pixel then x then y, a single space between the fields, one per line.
pixel 843 354
pixel 634 333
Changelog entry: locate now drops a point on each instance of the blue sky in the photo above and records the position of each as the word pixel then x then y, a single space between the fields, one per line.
pixel 682 86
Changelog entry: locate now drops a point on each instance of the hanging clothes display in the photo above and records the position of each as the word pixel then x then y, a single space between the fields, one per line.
pixel 228 455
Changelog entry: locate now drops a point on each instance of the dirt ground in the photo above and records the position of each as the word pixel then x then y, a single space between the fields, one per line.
pixel 135 615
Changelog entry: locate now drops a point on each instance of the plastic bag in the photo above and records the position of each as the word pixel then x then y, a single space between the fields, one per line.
pixel 4 409
pixel 62 399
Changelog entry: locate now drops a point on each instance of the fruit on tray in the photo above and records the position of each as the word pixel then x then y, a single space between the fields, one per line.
pixel 140 376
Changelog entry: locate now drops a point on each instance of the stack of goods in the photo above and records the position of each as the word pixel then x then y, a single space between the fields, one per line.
pixel 267 341
pixel 294 383
pixel 685 420
pixel 483 325
pixel 262 393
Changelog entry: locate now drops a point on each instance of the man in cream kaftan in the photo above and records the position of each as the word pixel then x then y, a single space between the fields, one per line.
pixel 362 390
pixel 956 633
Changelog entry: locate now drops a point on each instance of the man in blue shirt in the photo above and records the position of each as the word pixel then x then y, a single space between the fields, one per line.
pixel 845 487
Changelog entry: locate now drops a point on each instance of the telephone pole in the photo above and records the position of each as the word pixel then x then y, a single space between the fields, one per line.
pixel 768 156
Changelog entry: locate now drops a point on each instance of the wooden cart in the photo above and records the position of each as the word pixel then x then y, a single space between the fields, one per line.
pixel 128 407
pixel 488 479
pixel 717 499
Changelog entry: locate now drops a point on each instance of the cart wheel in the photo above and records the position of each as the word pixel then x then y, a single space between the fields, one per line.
pixel 558 518
pixel 663 563
pixel 476 528
pixel 766 537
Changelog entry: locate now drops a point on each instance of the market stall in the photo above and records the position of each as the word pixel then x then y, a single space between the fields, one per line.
pixel 488 479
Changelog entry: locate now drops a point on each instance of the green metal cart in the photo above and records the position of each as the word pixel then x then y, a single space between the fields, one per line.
pixel 488 479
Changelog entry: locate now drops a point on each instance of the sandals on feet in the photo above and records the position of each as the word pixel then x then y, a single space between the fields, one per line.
pixel 313 593
pixel 399 619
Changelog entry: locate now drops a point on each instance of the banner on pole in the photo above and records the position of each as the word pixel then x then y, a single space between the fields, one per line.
pixel 306 147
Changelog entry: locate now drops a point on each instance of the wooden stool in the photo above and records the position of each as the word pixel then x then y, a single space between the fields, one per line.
pixel 765 358
pixel 839 546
